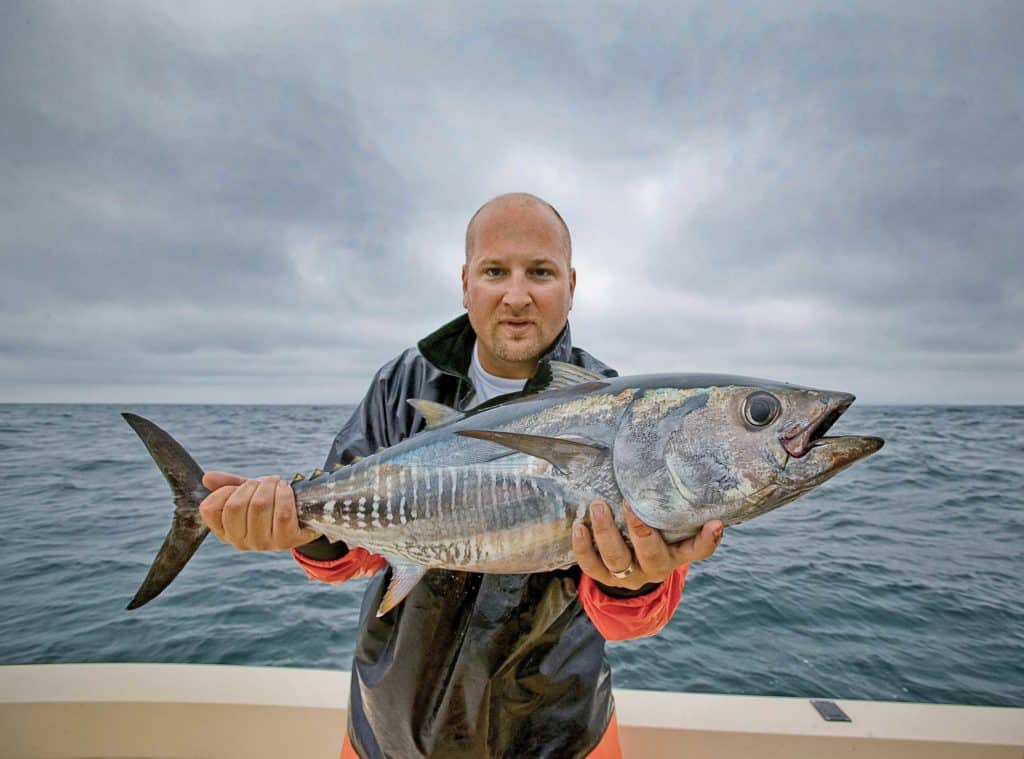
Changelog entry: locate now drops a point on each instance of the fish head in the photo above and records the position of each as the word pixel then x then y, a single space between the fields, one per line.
pixel 732 452
pixel 813 456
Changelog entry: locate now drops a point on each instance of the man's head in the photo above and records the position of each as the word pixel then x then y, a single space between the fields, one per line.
pixel 517 282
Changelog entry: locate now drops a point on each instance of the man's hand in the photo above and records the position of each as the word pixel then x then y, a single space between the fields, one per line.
pixel 652 559
pixel 252 515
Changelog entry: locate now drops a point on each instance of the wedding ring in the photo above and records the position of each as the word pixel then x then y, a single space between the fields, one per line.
pixel 625 572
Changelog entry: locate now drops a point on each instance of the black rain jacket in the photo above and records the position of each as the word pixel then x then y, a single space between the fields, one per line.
pixel 469 665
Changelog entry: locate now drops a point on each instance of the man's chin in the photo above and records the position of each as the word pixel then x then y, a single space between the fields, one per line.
pixel 518 351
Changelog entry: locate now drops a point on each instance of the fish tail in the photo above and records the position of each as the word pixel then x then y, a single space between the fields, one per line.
pixel 187 530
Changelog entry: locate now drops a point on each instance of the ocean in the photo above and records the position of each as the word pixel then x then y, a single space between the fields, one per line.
pixel 901 580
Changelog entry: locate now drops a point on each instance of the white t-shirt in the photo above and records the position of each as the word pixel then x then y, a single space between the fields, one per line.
pixel 488 385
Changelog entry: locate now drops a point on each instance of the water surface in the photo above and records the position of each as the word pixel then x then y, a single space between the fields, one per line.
pixel 901 579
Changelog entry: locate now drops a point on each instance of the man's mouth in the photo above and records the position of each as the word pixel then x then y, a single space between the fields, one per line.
pixel 799 440
pixel 516 325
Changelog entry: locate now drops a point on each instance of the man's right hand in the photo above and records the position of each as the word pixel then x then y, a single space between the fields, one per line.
pixel 252 515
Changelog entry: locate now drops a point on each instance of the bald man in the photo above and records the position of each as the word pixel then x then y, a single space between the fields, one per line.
pixel 474 665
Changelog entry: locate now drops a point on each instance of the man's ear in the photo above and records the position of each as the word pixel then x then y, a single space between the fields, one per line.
pixel 572 285
pixel 465 286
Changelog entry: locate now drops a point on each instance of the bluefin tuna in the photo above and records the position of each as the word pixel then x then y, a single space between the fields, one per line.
pixel 498 489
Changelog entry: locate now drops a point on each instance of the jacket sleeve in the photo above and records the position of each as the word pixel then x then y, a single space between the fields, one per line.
pixel 355 563
pixel 636 616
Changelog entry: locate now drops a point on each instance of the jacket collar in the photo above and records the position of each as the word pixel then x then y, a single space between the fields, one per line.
pixel 450 347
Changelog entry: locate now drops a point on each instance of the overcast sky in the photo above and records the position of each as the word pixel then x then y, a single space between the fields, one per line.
pixel 233 202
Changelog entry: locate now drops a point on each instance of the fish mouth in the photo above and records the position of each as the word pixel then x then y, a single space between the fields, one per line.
pixel 843 450
pixel 815 457
pixel 826 458
pixel 798 440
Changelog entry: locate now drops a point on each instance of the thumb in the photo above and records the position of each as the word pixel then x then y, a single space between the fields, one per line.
pixel 701 545
pixel 214 480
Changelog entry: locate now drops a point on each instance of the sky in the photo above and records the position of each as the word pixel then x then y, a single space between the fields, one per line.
pixel 256 202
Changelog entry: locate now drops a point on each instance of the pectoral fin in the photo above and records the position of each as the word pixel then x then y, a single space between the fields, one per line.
pixel 403 579
pixel 567 455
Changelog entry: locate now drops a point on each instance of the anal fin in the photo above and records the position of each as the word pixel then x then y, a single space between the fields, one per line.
pixel 403 579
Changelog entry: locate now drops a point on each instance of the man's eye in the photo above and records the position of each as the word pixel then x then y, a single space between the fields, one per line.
pixel 543 273
pixel 493 271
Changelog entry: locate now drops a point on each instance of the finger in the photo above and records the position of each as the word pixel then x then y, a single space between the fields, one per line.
pixel 211 510
pixel 709 538
pixel 260 515
pixel 287 533
pixel 701 545
pixel 615 554
pixel 214 480
pixel 652 554
pixel 587 556
pixel 236 514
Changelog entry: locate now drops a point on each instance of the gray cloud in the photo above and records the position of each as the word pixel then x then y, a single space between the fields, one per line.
pixel 244 203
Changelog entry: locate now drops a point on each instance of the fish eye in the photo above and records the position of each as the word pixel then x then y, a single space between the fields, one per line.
pixel 761 409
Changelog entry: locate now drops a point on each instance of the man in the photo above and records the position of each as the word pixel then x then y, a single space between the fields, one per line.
pixel 472 665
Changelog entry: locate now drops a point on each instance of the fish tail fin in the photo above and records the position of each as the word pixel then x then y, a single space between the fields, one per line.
pixel 187 530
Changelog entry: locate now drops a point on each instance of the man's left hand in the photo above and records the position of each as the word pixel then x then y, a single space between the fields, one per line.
pixel 605 552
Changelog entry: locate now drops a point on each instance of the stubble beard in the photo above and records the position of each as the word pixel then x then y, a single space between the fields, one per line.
pixel 516 351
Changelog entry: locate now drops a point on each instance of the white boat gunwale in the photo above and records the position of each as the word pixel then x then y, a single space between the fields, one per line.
pixel 88 710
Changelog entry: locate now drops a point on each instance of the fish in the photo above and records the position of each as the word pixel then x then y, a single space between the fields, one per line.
pixel 498 489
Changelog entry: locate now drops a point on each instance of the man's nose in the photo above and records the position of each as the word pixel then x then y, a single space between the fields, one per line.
pixel 517 295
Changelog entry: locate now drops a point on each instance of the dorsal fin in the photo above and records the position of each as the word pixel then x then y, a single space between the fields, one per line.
pixel 435 413
pixel 567 455
pixel 566 375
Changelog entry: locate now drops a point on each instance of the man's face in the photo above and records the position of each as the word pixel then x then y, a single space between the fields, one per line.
pixel 517 286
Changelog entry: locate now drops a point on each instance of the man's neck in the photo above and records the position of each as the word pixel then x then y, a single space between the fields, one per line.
pixel 487 385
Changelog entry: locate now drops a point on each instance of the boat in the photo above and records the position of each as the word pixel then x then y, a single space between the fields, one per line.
pixel 80 711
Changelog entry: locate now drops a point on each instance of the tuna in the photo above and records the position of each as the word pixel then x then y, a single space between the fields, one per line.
pixel 498 489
